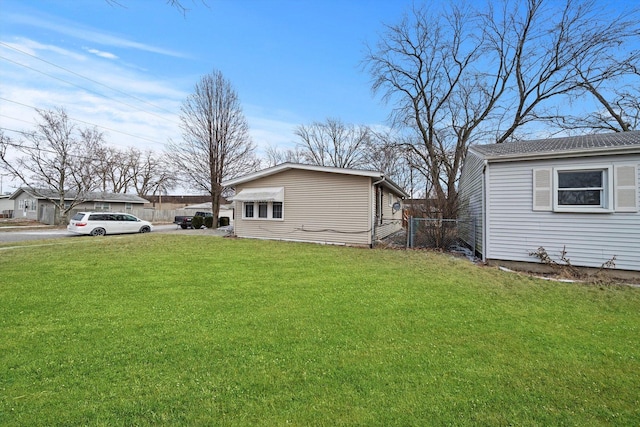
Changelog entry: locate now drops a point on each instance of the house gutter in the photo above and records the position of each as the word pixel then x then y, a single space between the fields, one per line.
pixel 485 211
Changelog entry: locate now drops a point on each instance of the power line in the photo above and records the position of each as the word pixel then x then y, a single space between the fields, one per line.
pixel 40 149
pixel 86 78
pixel 84 88
pixel 88 123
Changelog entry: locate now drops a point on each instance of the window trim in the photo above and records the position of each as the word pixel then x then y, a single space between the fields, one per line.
pixel 256 211
pixel 244 210
pixel 100 206
pixel 606 199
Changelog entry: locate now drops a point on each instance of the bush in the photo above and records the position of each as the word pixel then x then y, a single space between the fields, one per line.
pixel 208 221
pixel 224 221
pixel 197 222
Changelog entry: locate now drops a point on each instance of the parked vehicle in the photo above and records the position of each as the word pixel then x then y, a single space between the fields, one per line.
pixel 101 223
pixel 185 221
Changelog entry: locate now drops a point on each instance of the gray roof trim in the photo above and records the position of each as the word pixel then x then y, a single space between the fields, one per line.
pixel 40 193
pixel 577 146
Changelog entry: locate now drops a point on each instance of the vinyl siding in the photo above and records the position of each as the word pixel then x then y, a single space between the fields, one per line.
pixel 391 222
pixel 471 196
pixel 318 207
pixel 514 229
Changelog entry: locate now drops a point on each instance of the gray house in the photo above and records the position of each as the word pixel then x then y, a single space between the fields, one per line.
pixel 316 204
pixel 576 192
pixel 33 204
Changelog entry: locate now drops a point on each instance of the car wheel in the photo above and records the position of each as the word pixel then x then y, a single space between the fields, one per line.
pixel 98 232
pixel 145 229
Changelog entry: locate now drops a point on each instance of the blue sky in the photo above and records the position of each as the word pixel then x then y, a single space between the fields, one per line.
pixel 128 68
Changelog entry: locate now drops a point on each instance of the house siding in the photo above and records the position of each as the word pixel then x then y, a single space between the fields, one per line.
pixel 514 229
pixel 471 197
pixel 391 221
pixel 318 207
pixel 19 210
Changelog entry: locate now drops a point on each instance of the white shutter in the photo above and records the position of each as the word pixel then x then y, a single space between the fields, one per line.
pixel 626 188
pixel 542 189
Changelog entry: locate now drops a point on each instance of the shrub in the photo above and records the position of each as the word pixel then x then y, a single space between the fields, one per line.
pixel 197 222
pixel 208 221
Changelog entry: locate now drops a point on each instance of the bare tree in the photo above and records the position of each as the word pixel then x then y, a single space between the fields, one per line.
pixel 275 156
pixel 113 170
pixel 178 4
pixel 385 151
pixel 461 75
pixel 152 173
pixel 618 97
pixel 215 142
pixel 56 161
pixel 333 143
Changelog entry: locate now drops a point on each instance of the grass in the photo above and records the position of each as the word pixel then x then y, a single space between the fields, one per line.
pixel 198 330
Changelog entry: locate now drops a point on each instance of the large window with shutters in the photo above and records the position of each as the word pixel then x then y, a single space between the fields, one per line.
pixel 596 189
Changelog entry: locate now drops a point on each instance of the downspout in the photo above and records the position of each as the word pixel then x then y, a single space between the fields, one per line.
pixel 485 213
pixel 375 222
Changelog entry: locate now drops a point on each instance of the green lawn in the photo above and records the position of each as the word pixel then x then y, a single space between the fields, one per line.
pixel 199 330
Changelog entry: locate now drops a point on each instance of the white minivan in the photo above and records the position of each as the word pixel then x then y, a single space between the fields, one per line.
pixel 101 223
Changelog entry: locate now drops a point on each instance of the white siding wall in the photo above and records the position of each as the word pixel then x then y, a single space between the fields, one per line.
pixel 470 195
pixel 318 207
pixel 514 229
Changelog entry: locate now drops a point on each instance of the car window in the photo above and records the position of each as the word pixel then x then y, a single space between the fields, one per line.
pixel 78 216
pixel 97 217
pixel 130 218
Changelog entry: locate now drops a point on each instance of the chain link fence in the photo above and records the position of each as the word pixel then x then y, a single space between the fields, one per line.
pixel 444 234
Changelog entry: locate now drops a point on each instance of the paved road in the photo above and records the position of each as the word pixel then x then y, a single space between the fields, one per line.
pixel 18 235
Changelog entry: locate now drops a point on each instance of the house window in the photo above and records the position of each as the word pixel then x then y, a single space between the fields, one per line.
pixel 265 211
pixel 102 206
pixel 262 209
pixel 128 206
pixel 390 199
pixel 248 209
pixel 581 188
pixel 277 210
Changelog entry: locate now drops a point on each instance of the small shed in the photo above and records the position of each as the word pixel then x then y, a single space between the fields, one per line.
pixel 578 194
pixel 320 204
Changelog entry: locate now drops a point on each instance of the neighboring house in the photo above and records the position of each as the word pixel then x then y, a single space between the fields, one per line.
pixel 30 204
pixel 6 206
pixel 579 193
pixel 316 204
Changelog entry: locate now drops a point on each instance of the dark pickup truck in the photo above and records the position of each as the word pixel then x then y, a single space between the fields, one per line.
pixel 185 221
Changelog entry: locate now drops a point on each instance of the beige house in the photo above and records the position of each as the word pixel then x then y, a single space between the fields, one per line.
pixel 316 204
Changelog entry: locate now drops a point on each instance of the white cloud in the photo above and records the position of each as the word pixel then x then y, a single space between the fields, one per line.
pixel 78 31
pixel 102 54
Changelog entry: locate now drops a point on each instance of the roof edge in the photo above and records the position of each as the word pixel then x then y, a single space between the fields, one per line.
pixel 287 166
pixel 328 169
pixel 557 154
